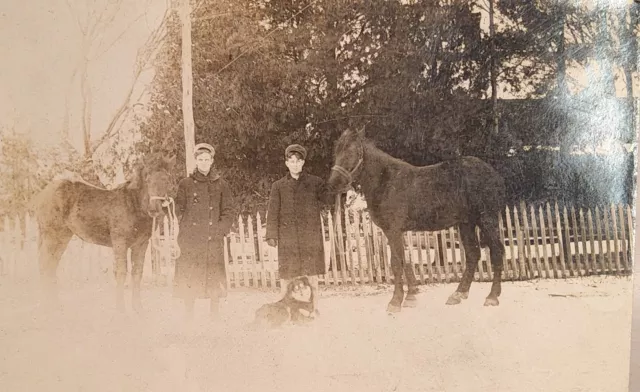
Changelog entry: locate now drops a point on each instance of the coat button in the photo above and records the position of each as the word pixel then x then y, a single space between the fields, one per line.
pixel 195 194
pixel 210 223
pixel 194 223
pixel 209 238
pixel 211 208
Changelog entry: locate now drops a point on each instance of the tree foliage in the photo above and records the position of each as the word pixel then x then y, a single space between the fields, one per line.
pixel 26 167
pixel 270 73
pixel 415 72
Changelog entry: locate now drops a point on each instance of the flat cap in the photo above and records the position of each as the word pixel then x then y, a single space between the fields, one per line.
pixel 295 148
pixel 204 147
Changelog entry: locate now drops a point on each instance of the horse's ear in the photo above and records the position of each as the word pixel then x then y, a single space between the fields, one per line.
pixel 135 180
pixel 170 161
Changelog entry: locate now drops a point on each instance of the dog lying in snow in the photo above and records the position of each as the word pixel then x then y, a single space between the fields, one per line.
pixel 288 308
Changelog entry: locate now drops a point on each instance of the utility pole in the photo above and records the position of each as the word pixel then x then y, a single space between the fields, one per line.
pixel 493 71
pixel 184 9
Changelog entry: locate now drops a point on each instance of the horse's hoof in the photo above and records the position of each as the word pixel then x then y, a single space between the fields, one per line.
pixel 137 306
pixel 410 302
pixel 453 300
pixel 120 317
pixel 391 308
pixel 456 298
pixel 491 302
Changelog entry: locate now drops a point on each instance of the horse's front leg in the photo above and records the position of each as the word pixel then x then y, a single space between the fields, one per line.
pixel 397 263
pixel 51 246
pixel 137 265
pixel 410 300
pixel 120 270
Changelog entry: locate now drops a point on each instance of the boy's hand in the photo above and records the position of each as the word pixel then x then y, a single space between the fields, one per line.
pixel 272 242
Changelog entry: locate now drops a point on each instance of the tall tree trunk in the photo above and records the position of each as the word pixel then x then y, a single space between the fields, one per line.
pixel 187 85
pixel 66 123
pixel 494 79
pixel 628 19
pixel 629 49
pixel 603 51
pixel 86 108
pixel 561 65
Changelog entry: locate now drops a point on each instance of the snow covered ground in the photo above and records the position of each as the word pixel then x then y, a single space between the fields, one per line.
pixel 570 335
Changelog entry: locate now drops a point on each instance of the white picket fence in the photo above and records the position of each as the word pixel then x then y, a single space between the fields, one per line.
pixel 542 242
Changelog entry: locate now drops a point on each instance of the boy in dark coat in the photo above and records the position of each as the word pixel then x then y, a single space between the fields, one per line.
pixel 204 206
pixel 293 221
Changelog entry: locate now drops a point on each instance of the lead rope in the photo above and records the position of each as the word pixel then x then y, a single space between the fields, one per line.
pixel 336 227
pixel 173 230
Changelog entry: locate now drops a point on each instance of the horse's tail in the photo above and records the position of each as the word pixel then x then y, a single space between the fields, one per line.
pixel 37 200
pixel 483 238
pixel 47 195
pixel 43 202
pixel 489 230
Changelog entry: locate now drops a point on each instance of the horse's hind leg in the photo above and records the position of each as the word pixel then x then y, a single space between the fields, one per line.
pixel 496 248
pixel 51 245
pixel 397 262
pixel 472 255
pixel 120 270
pixel 137 265
pixel 412 285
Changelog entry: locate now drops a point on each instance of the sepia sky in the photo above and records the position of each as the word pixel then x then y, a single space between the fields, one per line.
pixel 39 46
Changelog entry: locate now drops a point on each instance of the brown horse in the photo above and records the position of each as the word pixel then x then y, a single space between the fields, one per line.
pixel 464 192
pixel 120 218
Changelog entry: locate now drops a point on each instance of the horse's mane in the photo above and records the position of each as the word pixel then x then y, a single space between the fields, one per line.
pixel 351 136
pixel 383 156
pixel 122 186
pixel 154 161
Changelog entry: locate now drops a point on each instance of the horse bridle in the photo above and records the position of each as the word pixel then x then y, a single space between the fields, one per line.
pixel 166 200
pixel 348 174
pixel 171 230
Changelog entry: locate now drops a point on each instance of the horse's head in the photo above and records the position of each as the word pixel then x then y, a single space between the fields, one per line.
pixel 152 179
pixel 348 158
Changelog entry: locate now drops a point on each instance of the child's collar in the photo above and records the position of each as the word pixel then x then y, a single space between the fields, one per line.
pixel 291 177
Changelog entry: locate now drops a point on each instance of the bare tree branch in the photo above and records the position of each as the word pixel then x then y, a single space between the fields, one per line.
pixel 82 28
pixel 119 37
pixel 85 91
pixel 65 121
pixel 92 28
pixel 97 26
pixel 137 101
pixel 112 130
pixel 145 57
pixel 209 17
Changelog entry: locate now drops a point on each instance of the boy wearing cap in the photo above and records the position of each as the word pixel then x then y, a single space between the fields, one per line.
pixel 204 207
pixel 293 220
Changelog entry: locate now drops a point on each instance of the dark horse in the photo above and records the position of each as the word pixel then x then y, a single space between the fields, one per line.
pixel 464 192
pixel 120 218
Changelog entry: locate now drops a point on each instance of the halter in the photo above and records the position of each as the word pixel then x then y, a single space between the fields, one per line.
pixel 171 230
pixel 346 173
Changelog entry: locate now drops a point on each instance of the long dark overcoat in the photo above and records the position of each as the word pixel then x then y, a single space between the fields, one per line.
pixel 293 219
pixel 204 206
